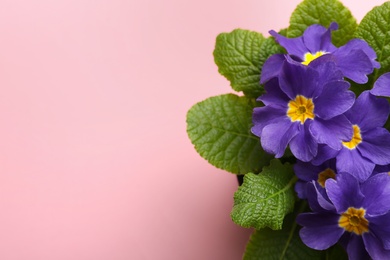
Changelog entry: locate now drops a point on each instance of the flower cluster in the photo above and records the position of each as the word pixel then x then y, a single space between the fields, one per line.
pixel 339 140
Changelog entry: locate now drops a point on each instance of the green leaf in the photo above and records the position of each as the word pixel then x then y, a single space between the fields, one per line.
pixel 240 55
pixel 267 244
pixel 387 124
pixel 220 129
pixel 323 12
pixel 283 32
pixel 375 30
pixel 336 252
pixel 263 200
pixel 359 88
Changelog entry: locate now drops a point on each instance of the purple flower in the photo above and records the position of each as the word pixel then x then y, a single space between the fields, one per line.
pixel 307 172
pixel 357 215
pixel 356 59
pixel 370 144
pixel 304 107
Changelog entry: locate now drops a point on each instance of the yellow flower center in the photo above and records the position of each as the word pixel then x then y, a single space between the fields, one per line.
pixel 309 57
pixel 356 138
pixel 324 175
pixel 353 220
pixel 300 109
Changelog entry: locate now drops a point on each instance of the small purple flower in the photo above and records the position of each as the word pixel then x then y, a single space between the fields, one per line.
pixel 307 172
pixel 356 59
pixel 304 107
pixel 370 144
pixel 356 215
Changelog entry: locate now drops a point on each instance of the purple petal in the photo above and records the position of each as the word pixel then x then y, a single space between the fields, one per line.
pixel 294 46
pixel 320 231
pixel 359 44
pixel 263 116
pixel 324 59
pixel 327 68
pixel 353 162
pixel 317 38
pixel 274 95
pixel 356 249
pixel 380 226
pixel 334 100
pixel 382 86
pixel 376 146
pixel 374 247
pixel 332 131
pixel 326 38
pixel 324 153
pixel 307 171
pixel 376 190
pixel 294 60
pixel 368 112
pixel 344 192
pixel 275 137
pixel 317 198
pixel 299 80
pixel 354 64
pixel 303 145
pixel 311 195
pixel 344 240
pixel 271 67
pixel 300 189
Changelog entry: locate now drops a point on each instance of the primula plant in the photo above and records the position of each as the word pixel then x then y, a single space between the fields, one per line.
pixel 309 135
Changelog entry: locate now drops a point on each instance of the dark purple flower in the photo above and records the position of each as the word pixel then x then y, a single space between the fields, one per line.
pixel 370 144
pixel 357 214
pixel 303 108
pixel 307 172
pixel 356 59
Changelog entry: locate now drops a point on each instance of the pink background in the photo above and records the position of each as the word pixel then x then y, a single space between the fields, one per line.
pixel 95 163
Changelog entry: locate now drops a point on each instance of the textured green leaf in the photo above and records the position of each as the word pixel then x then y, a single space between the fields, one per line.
pixel 267 244
pixel 264 199
pixel 219 127
pixel 283 32
pixel 240 55
pixel 375 30
pixel 323 12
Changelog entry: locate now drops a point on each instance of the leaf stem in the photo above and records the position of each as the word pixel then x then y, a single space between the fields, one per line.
pixel 292 231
